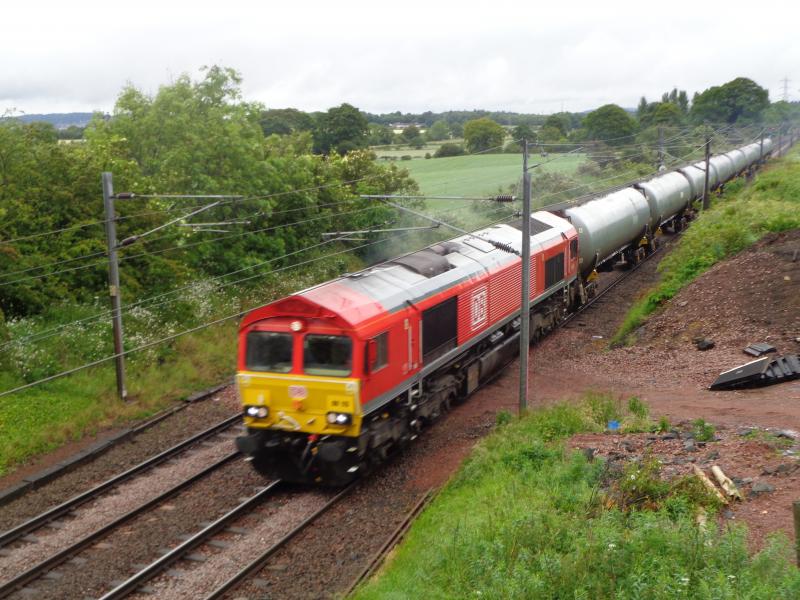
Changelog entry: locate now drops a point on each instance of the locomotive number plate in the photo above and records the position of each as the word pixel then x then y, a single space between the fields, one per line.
pixel 298 392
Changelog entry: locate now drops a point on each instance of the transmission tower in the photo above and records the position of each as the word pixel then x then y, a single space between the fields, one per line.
pixel 785 82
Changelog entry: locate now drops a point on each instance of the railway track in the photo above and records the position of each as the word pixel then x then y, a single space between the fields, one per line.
pixel 70 505
pixel 22 538
pixel 42 568
pixel 208 540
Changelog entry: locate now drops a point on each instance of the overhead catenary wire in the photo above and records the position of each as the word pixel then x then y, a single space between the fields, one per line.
pixel 150 302
pixel 153 343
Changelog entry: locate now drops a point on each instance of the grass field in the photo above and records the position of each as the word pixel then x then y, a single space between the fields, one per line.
pixel 481 174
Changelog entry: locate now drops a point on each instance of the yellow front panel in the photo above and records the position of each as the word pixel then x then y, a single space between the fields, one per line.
pixel 301 402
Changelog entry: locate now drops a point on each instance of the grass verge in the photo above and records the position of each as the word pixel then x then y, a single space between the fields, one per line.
pixel 527 518
pixel 746 213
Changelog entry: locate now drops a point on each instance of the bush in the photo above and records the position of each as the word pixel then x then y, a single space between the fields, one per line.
pixel 406 157
pixel 449 150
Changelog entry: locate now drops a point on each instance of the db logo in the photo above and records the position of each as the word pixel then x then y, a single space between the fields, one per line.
pixel 298 392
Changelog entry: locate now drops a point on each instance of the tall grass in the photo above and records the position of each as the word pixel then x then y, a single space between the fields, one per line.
pixel 527 518
pixel 739 218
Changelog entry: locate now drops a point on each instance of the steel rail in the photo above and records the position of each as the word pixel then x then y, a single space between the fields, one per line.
pixel 33 573
pixel 393 540
pixel 260 561
pixel 134 582
pixel 50 515
pixel 608 288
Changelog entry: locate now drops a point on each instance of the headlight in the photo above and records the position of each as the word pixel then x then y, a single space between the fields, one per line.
pixel 337 418
pixel 258 412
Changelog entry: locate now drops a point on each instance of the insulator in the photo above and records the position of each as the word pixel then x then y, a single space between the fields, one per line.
pixel 504 198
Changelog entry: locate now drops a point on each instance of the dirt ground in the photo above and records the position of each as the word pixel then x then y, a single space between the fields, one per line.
pixel 753 297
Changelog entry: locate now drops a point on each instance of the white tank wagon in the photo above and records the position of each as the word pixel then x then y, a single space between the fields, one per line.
pixel 668 196
pixel 713 176
pixel 752 153
pixel 725 168
pixel 696 177
pixel 739 160
pixel 609 225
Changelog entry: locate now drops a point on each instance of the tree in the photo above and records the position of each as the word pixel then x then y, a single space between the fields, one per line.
pixel 438 131
pixel 342 128
pixel 643 108
pixel 739 99
pixel 380 135
pixel 559 121
pixel 523 132
pixel 410 134
pixel 611 124
pixel 549 134
pixel 482 134
pixel 667 113
pixel 284 121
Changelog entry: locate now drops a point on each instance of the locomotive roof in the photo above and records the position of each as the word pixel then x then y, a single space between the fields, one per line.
pixel 411 278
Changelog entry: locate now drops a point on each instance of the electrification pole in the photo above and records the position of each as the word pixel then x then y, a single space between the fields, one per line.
pixel 660 148
pixel 525 313
pixel 706 198
pixel 113 281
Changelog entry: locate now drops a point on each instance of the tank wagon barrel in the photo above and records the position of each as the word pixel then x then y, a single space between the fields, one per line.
pixel 607 225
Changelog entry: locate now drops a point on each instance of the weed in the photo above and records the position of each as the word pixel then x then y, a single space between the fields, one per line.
pixel 638 408
pixel 663 424
pixel 778 443
pixel 703 432
pixel 603 408
pixel 503 417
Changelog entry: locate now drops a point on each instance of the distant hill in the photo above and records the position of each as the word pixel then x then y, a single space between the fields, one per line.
pixel 59 120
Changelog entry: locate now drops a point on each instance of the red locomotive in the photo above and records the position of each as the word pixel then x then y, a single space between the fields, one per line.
pixel 340 374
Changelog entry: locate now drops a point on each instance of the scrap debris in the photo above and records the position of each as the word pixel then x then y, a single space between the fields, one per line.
pixel 759 349
pixel 759 372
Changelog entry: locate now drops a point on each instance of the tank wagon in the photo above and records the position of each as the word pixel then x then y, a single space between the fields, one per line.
pixel 335 378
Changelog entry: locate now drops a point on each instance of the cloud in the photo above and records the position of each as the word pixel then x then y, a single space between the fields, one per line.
pixel 419 56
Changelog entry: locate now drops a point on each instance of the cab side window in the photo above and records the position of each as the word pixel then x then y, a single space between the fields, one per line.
pixel 380 355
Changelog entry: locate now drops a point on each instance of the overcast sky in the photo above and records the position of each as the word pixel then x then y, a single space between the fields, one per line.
pixel 413 56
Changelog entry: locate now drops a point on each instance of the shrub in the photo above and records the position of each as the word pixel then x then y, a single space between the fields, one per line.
pixel 449 149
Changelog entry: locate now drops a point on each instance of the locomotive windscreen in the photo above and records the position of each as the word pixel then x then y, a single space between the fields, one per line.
pixel 439 329
pixel 269 351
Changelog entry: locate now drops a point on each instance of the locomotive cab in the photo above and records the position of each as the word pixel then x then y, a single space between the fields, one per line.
pixel 298 379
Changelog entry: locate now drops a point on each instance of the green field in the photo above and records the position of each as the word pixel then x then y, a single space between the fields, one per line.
pixel 480 174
